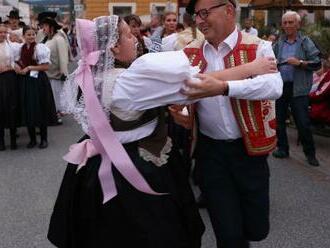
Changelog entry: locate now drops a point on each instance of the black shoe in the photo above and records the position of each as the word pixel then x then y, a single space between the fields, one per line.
pixel 280 154
pixel 43 144
pixel 313 161
pixel 31 144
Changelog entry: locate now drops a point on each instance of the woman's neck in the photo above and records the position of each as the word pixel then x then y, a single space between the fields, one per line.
pixel 167 33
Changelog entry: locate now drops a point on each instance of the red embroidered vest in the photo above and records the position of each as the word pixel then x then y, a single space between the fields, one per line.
pixel 256 119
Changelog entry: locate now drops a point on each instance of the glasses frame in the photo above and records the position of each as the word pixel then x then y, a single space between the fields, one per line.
pixel 207 11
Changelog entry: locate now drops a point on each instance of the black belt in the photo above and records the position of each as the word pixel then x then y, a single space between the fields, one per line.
pixel 221 141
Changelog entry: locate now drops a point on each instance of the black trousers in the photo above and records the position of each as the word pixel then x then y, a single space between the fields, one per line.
pixel 236 190
pixel 43 133
pixel 299 110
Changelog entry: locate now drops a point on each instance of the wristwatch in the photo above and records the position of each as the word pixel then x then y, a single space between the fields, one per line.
pixel 301 62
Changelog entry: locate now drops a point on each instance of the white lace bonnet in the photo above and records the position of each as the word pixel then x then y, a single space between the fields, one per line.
pixel 101 34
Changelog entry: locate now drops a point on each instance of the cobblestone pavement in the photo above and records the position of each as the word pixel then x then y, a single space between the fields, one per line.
pixel 29 181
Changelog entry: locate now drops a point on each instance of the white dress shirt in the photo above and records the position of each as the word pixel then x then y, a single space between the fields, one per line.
pixel 216 117
pixel 155 79
pixel 251 31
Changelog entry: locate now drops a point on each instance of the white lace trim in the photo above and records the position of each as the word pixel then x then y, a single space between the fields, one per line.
pixel 105 34
pixel 158 161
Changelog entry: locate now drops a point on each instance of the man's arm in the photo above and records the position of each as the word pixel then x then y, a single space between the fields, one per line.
pixel 268 86
pixel 259 66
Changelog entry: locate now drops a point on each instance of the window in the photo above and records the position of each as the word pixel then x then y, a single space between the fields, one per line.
pixel 122 9
pixel 161 8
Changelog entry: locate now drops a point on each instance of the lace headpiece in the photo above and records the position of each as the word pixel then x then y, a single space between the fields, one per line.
pixel 101 34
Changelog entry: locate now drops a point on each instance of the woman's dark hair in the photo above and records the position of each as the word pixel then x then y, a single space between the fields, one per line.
pixel 27 28
pixel 130 18
pixel 179 26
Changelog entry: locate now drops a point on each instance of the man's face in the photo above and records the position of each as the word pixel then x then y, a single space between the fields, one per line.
pixel 213 26
pixel 290 25
pixel 247 24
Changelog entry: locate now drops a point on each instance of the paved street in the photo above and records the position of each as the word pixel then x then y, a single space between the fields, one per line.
pixel 29 181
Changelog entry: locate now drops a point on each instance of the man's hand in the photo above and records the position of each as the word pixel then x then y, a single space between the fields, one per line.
pixel 180 118
pixel 263 65
pixel 206 87
pixel 293 61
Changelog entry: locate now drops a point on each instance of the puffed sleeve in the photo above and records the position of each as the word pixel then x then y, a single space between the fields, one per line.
pixel 42 54
pixel 153 80
pixel 15 49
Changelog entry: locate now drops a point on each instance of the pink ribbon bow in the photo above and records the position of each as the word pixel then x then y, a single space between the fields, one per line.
pixel 103 139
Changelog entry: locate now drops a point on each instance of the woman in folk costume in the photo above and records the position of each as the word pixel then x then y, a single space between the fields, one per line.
pixel 124 186
pixel 37 102
pixel 9 99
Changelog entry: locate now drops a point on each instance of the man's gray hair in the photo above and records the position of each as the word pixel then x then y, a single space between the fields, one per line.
pixel 292 13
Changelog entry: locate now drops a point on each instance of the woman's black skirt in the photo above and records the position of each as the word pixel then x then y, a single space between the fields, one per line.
pixel 37 101
pixel 9 100
pixel 132 218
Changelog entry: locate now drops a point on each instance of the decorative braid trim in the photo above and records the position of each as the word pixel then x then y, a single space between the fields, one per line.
pixel 158 161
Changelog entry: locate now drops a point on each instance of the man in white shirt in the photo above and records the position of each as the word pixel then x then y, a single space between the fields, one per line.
pixel 235 183
pixel 248 28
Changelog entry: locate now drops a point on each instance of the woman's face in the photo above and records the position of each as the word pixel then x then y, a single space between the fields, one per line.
pixel 30 36
pixel 46 29
pixel 170 23
pixel 3 33
pixel 125 50
pixel 135 28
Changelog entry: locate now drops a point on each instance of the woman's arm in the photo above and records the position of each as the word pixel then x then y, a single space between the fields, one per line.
pixel 41 67
pixel 259 66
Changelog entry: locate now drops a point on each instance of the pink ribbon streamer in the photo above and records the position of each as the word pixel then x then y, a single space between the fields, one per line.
pixel 104 140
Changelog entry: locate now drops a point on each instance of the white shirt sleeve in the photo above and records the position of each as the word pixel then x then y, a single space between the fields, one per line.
pixel 42 54
pixel 168 43
pixel 153 80
pixel 267 86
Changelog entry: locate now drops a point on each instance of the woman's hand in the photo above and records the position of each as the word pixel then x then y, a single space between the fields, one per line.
pixel 25 70
pixel 207 86
pixel 263 65
pixel 17 69
pixel 179 117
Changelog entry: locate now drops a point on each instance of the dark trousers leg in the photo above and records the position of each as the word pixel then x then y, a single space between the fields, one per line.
pixel 282 105
pixel 13 132
pixel 43 133
pixel 32 134
pixel 299 106
pixel 236 190
pixel 2 137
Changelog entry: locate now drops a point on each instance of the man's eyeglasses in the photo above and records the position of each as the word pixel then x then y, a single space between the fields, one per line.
pixel 204 13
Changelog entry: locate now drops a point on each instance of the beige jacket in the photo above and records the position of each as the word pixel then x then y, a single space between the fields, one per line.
pixel 59 56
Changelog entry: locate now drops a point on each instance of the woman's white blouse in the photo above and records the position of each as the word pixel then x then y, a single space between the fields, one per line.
pixel 153 80
pixel 42 54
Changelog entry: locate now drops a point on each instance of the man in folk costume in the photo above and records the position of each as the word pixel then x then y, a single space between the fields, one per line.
pixel 236 126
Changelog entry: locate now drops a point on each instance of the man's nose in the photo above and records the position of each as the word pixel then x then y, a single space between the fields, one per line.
pixel 198 20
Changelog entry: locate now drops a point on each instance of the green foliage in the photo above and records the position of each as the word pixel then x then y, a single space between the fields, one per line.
pixel 320 34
